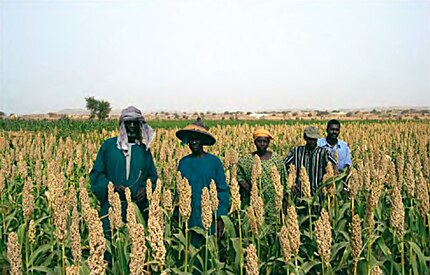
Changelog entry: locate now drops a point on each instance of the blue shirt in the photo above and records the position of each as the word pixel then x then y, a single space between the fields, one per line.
pixel 200 171
pixel 343 153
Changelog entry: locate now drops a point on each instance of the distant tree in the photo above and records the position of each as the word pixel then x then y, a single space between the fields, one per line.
pixel 98 108
pixel 65 118
pixel 2 113
pixel 92 106
pixel 104 110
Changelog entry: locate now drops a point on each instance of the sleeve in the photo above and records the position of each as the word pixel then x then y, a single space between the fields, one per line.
pixel 222 189
pixel 348 160
pixel 180 166
pixel 99 181
pixel 152 170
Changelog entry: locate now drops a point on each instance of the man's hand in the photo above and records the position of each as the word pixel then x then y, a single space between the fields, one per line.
pixel 295 190
pixel 141 194
pixel 245 186
pixel 120 189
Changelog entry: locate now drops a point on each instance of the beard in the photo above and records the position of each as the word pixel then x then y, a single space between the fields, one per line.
pixel 333 136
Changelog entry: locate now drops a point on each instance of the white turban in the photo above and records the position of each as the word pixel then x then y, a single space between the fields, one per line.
pixel 129 114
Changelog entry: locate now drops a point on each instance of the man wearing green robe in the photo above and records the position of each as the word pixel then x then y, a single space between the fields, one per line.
pixel 127 162
pixel 200 168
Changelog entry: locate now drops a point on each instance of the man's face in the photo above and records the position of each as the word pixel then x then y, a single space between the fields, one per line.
pixel 195 144
pixel 261 143
pixel 333 131
pixel 311 143
pixel 133 130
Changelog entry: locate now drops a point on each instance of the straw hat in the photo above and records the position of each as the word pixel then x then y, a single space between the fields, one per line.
pixel 198 129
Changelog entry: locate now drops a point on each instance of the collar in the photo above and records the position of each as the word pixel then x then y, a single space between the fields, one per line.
pixel 326 144
pixel 310 152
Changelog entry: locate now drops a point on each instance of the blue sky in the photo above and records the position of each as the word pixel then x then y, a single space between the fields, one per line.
pixel 214 55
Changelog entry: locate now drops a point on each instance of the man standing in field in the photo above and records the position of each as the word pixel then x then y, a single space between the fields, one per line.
pixel 338 148
pixel 200 168
pixel 126 162
pixel 311 157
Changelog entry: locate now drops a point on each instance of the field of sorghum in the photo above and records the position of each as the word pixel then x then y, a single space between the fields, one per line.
pixel 49 222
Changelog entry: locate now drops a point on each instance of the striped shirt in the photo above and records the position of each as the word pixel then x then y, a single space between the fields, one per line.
pixel 315 163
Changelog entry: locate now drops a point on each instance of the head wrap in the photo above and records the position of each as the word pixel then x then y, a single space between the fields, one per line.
pixel 131 113
pixel 262 133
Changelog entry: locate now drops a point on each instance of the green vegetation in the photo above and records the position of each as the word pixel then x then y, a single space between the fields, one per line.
pixel 387 198
pixel 98 108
